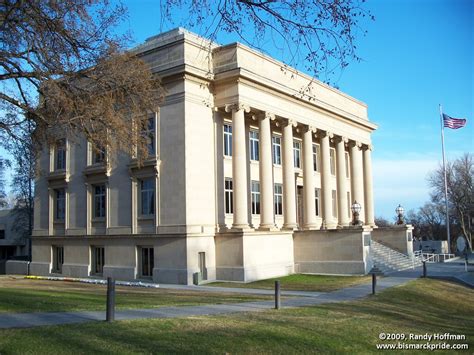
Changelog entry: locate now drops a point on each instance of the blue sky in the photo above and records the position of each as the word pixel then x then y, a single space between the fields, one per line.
pixel 417 54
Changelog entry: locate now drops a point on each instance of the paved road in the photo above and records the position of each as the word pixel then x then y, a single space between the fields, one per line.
pixel 298 299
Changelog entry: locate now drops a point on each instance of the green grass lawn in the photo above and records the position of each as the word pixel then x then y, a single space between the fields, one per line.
pixel 422 306
pixel 20 295
pixel 301 282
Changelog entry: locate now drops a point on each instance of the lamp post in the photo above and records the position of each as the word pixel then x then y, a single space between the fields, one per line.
pixel 399 211
pixel 355 208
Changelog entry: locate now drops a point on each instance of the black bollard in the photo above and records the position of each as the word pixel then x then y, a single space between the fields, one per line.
pixel 424 268
pixel 374 283
pixel 277 295
pixel 110 312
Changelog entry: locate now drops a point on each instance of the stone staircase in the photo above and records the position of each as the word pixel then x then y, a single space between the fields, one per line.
pixel 389 260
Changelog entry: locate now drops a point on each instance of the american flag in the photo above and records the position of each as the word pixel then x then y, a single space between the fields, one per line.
pixel 453 123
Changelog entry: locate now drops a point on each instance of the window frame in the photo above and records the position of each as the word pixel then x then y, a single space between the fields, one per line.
pixel 317 201
pixel 227 137
pixel 97 259
pixel 228 196
pixel 297 154
pixel 59 204
pixel 276 150
pixel 147 261
pixel 254 151
pixel 96 212
pixel 334 203
pixel 150 194
pixel 332 161
pixel 60 156
pixel 57 259
pixel 347 163
pixel 278 199
pixel 316 155
pixel 255 197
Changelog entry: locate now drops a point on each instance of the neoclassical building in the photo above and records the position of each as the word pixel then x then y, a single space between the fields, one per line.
pixel 252 171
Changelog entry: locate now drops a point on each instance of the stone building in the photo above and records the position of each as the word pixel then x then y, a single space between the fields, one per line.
pixel 253 169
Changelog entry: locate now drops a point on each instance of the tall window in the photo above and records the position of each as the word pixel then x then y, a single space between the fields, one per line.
pixel 334 203
pixel 347 165
pixel 99 200
pixel 255 197
pixel 60 196
pixel 253 139
pixel 60 156
pixel 316 155
pixel 98 155
pixel 229 196
pixel 2 233
pixel 58 259
pixel 276 144
pixel 147 261
pixel 147 196
pixel 227 140
pixel 297 154
pixel 332 161
pixel 150 135
pixel 98 260
pixel 278 199
pixel 317 200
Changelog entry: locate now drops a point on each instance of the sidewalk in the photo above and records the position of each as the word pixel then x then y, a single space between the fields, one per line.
pixel 26 320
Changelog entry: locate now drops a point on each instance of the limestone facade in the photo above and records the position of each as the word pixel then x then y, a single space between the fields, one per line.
pixel 247 157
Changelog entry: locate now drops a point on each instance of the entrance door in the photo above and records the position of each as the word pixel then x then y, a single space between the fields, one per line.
pixel 299 205
pixel 202 265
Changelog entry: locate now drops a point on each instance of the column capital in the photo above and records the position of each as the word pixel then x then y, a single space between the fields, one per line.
pixel 368 146
pixel 354 144
pixel 290 122
pixel 237 106
pixel 308 128
pixel 264 115
pixel 339 139
pixel 321 133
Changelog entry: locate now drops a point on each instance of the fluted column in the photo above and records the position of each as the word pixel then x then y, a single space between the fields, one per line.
pixel 328 220
pixel 289 188
pixel 308 180
pixel 265 168
pixel 342 213
pixel 239 165
pixel 369 197
pixel 357 180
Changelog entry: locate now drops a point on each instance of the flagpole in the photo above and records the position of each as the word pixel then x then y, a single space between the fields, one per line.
pixel 445 179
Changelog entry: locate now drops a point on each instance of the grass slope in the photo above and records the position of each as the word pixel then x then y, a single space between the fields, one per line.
pixel 422 306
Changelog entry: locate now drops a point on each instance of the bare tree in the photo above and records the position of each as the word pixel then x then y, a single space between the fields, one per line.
pixel 460 180
pixel 3 195
pixel 64 71
pixel 320 34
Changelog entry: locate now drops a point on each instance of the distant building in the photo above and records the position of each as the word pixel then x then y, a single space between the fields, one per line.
pixel 12 244
pixel 253 170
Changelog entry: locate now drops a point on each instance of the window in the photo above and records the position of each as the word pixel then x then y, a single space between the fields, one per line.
pixel 58 259
pixel 147 261
pixel 278 199
pixel 332 161
pixel 334 203
pixel 147 197
pixel 276 144
pixel 60 156
pixel 297 154
pixel 347 165
pixel 229 196
pixel 202 264
pixel 99 201
pixel 60 197
pixel 255 197
pixel 317 200
pixel 150 135
pixel 254 154
pixel 316 154
pixel 227 140
pixel 349 204
pixel 98 155
pixel 98 260
pixel 2 233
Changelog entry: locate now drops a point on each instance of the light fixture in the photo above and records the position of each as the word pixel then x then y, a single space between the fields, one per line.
pixel 355 208
pixel 399 211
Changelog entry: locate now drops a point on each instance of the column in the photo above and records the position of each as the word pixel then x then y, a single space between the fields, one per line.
pixel 357 181
pixel 328 220
pixel 289 188
pixel 369 197
pixel 343 216
pixel 239 165
pixel 308 180
pixel 266 178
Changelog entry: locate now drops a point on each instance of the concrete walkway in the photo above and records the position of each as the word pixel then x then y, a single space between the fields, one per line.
pixel 26 320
